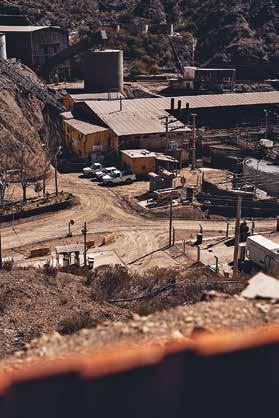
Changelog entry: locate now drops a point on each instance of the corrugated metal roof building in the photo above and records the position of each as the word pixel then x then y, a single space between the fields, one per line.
pixel 34 45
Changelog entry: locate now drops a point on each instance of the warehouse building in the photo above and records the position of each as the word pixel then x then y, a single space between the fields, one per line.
pixel 84 139
pixel 160 124
pixel 34 45
pixel 133 127
pixel 70 99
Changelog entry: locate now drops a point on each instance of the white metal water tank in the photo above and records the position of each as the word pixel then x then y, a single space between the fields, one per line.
pixel 189 73
pixel 267 143
pixel 3 47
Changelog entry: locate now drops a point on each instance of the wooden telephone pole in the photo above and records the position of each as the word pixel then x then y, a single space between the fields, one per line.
pixel 84 232
pixel 194 146
pixel 237 236
pixel 170 221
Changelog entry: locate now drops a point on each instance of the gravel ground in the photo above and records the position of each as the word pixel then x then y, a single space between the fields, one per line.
pixel 221 313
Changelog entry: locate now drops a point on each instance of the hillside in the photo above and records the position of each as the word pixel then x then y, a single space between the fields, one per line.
pixel 25 106
pixel 233 32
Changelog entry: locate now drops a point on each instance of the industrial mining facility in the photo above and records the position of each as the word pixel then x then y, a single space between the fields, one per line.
pixel 139 218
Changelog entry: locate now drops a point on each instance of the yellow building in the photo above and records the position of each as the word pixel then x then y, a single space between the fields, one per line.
pixel 141 162
pixel 84 139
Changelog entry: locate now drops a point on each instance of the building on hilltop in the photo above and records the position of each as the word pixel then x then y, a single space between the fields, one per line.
pixel 34 45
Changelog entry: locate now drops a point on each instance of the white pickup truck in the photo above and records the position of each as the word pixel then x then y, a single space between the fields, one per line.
pixel 117 177
pixel 105 172
pixel 91 171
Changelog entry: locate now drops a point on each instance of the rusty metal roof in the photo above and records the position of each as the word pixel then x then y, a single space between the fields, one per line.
pixel 84 127
pixel 6 29
pixel 62 249
pixel 137 123
pixel 159 104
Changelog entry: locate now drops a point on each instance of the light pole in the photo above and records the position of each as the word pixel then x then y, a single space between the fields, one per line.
pixel 55 169
pixel 70 223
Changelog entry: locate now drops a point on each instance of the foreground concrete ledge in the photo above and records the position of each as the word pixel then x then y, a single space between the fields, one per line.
pixel 121 358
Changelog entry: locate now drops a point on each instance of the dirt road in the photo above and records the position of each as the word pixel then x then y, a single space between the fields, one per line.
pixel 104 211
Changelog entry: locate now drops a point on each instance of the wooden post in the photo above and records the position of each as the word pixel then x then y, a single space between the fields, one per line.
pixel 199 253
pixel 173 236
pixel 237 236
pixel 227 229
pixel 253 227
pixel 277 226
pixel 216 264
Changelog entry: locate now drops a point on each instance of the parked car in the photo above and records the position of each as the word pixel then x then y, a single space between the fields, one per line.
pixel 117 177
pixel 105 171
pixel 91 171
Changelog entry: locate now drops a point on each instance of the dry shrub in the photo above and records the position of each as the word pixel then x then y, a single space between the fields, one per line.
pixel 109 281
pixel 76 322
pixel 8 264
pixel 76 270
pixel 49 270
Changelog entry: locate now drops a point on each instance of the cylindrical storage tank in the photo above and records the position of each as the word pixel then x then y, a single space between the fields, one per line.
pixel 3 47
pixel 103 71
pixel 263 174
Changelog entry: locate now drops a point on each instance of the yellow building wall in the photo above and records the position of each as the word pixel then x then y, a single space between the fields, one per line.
pixel 82 145
pixel 140 166
pixel 68 102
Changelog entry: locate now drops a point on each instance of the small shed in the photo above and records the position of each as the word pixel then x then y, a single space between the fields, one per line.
pixel 70 254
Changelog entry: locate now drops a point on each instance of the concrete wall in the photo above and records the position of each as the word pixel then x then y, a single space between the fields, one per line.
pixel 231 375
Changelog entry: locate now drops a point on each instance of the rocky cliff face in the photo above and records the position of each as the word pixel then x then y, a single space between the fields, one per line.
pixel 228 31
pixel 28 111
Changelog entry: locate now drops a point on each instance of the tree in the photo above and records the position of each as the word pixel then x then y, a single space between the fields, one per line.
pixel 46 164
pixel 28 165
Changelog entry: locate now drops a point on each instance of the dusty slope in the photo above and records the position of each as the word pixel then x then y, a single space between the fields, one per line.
pixel 32 304
pixel 220 314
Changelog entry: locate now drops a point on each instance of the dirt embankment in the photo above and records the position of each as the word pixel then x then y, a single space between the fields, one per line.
pixel 33 304
pixel 28 110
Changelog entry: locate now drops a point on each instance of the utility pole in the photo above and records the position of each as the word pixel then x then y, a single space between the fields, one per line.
pixel 237 236
pixel 84 232
pixel 194 142
pixel 170 221
pixel 167 132
pixel 266 122
pixel 256 180
pixel 55 170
